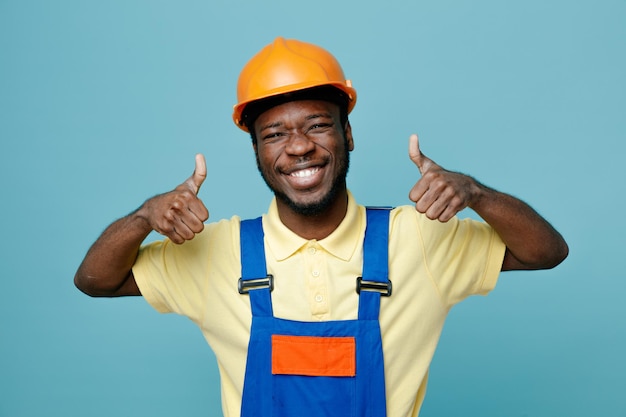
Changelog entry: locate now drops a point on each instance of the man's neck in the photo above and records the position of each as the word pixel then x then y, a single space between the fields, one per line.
pixel 316 226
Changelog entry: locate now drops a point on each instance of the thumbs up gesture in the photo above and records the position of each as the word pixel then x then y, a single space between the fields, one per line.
pixel 179 214
pixel 440 194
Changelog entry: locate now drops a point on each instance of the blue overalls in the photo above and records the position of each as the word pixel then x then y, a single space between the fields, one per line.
pixel 332 368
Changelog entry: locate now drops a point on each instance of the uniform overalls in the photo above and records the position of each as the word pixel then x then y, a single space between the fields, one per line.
pixel 332 368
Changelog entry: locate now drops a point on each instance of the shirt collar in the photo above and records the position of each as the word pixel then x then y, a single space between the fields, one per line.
pixel 341 243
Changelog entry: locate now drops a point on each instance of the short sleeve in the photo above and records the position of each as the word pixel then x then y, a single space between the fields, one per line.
pixel 463 257
pixel 174 278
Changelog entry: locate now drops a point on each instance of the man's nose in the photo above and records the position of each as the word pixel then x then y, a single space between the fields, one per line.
pixel 299 144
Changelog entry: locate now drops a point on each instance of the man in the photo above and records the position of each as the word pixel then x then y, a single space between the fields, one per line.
pixel 323 307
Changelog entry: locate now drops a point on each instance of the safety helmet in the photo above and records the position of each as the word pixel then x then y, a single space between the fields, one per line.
pixel 286 66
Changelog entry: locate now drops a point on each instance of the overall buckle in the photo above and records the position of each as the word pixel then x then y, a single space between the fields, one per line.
pixel 245 286
pixel 384 288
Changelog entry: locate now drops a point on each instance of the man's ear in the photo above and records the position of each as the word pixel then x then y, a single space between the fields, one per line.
pixel 347 132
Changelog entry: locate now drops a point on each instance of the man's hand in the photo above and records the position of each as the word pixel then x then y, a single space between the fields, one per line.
pixel 179 214
pixel 439 194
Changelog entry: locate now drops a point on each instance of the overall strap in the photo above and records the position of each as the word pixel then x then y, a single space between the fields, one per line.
pixel 375 281
pixel 254 278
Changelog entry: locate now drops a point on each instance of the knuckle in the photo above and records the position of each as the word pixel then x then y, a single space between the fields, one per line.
pixel 456 201
pixel 188 194
pixel 177 205
pixel 166 228
pixel 430 175
pixel 169 216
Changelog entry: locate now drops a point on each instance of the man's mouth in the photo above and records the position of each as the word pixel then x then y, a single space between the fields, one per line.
pixel 304 173
pixel 305 178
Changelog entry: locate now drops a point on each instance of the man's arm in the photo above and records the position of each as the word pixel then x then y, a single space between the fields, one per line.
pixel 106 270
pixel 532 243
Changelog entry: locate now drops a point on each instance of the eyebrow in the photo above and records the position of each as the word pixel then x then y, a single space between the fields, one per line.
pixel 309 117
pixel 318 115
pixel 270 125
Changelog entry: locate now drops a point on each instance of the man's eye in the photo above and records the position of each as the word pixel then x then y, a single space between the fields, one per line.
pixel 271 136
pixel 320 126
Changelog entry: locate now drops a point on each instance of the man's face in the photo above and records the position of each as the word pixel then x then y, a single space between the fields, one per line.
pixel 303 154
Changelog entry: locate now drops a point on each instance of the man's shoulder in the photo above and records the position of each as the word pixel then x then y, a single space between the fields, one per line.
pixel 219 228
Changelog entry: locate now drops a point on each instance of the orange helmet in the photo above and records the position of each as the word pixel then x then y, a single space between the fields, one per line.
pixel 286 66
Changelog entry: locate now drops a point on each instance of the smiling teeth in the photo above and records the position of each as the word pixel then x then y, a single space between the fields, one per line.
pixel 304 172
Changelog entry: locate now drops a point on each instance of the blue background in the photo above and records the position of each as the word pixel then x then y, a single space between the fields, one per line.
pixel 104 104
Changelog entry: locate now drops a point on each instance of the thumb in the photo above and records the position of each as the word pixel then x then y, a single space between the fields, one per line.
pixel 199 174
pixel 422 162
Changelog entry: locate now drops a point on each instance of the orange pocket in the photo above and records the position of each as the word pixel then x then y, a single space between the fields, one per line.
pixel 313 356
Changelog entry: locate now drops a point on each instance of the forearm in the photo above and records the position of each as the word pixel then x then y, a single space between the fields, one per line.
pixel 106 269
pixel 532 243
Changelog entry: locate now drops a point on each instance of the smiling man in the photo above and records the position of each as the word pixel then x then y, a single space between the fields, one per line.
pixel 321 306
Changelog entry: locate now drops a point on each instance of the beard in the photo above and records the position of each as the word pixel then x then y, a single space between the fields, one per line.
pixel 318 207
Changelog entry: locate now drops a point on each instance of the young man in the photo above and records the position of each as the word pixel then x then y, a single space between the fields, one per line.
pixel 323 307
